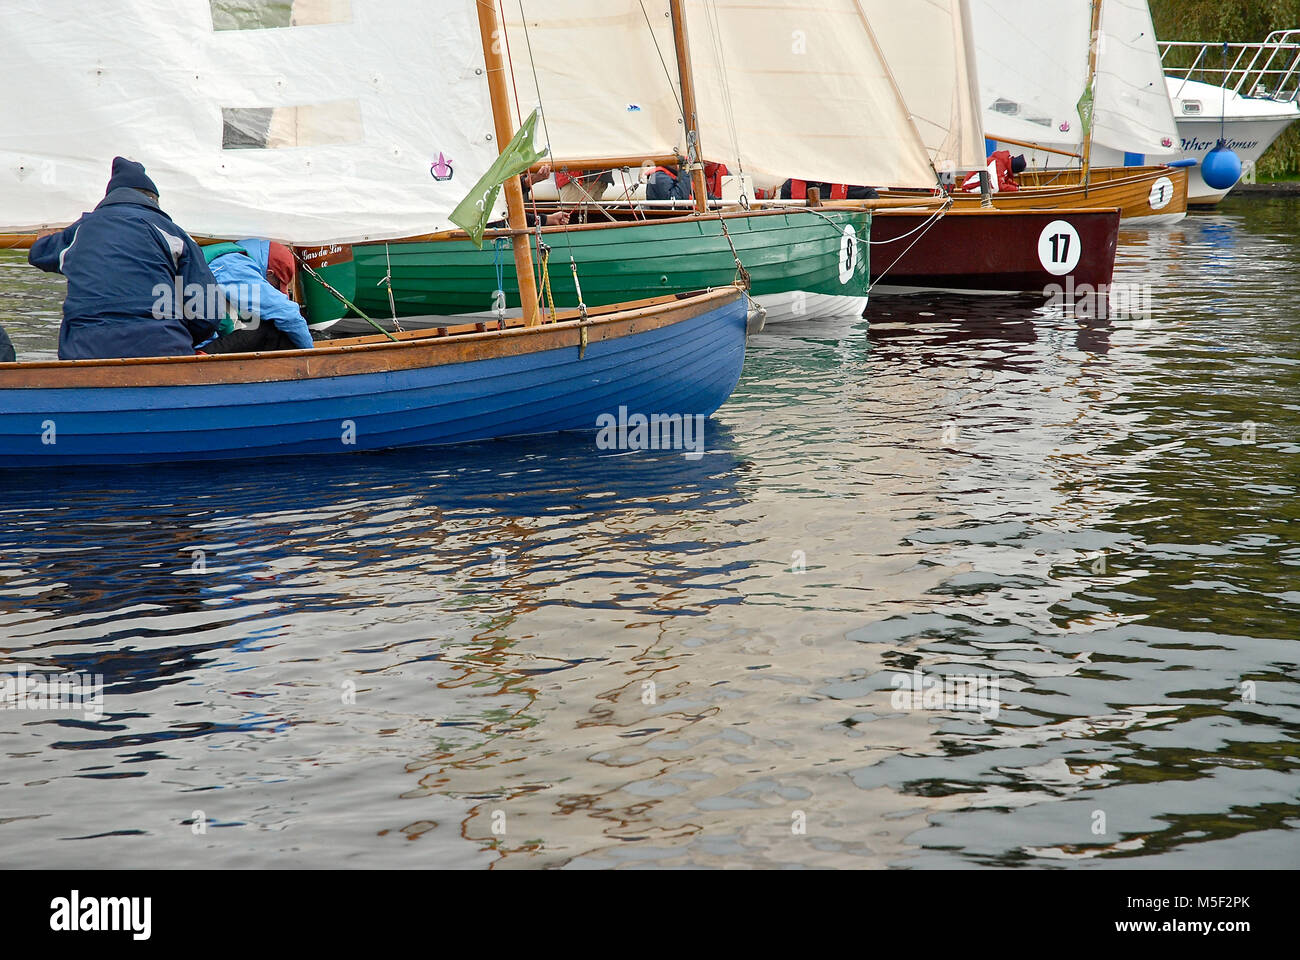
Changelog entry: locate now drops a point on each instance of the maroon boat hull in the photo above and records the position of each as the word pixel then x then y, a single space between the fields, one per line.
pixel 992 251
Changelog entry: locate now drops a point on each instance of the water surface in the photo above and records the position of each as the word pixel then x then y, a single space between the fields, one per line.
pixel 531 653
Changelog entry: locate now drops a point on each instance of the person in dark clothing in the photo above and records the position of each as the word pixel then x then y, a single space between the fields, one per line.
pixel 798 190
pixel 667 183
pixel 138 285
pixel 7 354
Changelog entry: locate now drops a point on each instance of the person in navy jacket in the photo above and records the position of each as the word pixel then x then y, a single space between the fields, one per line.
pixel 138 285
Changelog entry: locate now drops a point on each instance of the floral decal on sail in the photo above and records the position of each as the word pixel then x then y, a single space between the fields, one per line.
pixel 441 169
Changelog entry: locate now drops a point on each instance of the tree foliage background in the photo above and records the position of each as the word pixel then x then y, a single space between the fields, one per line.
pixel 1237 21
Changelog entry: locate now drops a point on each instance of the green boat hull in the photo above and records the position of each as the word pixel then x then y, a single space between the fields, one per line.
pixel 817 252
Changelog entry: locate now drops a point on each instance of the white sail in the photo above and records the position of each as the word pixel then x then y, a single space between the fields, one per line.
pixel 930 51
pixel 788 89
pixel 324 128
pixel 1033 66
pixel 1133 111
pixel 606 73
pixel 794 88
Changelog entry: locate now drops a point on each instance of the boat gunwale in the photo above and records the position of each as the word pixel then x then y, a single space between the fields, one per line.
pixel 468 345
pixel 1029 192
pixel 975 211
pixel 711 217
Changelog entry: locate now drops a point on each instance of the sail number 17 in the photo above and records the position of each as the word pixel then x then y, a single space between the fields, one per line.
pixel 1059 248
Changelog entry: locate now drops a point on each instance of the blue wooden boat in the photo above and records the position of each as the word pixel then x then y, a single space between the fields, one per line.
pixel 668 356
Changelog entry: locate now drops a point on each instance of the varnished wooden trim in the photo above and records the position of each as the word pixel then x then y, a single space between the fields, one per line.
pixel 361 355
pixel 1128 188
pixel 977 211
pixel 1125 188
pixel 1036 146
pixel 588 164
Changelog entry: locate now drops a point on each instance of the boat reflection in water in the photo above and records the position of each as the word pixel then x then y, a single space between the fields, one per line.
pixel 259 599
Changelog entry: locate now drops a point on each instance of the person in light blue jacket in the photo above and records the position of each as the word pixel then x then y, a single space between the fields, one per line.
pixel 269 320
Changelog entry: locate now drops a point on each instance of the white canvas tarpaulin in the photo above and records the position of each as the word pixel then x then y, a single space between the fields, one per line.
pixel 324 129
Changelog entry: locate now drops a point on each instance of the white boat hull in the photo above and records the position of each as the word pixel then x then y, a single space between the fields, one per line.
pixel 1248 138
pixel 786 307
pixel 1252 125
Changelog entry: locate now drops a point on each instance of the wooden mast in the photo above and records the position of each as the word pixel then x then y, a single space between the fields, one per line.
pixel 694 153
pixel 490 30
pixel 1091 90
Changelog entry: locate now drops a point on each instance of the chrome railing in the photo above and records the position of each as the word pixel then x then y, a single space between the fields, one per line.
pixel 1268 70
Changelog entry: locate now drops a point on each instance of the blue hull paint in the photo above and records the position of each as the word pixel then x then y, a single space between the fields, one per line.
pixel 687 367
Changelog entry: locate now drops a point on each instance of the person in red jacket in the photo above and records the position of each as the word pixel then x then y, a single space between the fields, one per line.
pixel 1003 169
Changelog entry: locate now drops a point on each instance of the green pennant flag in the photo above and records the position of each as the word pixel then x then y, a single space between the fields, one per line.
pixel 1085 107
pixel 475 210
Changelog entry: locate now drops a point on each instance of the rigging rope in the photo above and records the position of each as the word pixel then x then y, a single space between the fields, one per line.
pixel 546 132
pixel 582 307
pixel 338 296
pixel 388 282
pixel 936 216
pixel 637 212
pixel 514 85
pixel 728 106
pixel 742 275
pixel 681 110
pixel 589 201
pixel 923 229
pixel 1223 108
pixel 546 281
pixel 499 295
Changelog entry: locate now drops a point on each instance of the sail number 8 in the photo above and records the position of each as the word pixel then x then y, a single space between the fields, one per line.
pixel 848 254
pixel 1059 248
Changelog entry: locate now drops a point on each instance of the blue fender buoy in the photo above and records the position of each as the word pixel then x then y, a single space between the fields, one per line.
pixel 1221 168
